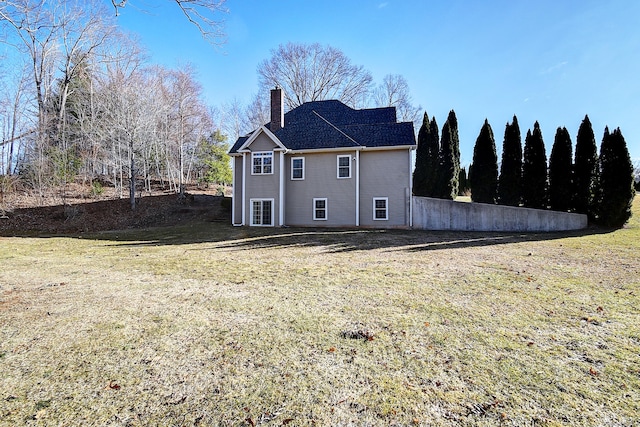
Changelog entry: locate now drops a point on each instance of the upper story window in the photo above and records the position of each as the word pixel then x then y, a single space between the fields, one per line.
pixel 297 168
pixel 262 162
pixel 344 166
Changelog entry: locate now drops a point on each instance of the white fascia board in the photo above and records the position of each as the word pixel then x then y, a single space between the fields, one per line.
pixel 326 150
pixel 359 148
pixel 391 148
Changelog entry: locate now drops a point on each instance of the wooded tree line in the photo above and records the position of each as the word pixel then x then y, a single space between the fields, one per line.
pixel 600 186
pixel 78 102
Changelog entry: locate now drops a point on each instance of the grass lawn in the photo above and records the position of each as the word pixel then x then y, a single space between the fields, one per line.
pixel 206 324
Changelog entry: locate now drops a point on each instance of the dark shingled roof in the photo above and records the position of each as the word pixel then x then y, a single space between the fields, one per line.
pixel 331 124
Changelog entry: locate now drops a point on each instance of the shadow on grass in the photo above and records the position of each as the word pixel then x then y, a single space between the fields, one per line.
pixel 331 240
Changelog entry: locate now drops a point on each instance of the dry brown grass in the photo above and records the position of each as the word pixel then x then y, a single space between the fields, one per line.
pixel 206 324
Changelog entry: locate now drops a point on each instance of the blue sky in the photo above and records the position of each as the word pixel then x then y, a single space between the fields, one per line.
pixel 551 61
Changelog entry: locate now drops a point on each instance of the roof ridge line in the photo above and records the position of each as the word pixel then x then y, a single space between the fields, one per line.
pixel 336 128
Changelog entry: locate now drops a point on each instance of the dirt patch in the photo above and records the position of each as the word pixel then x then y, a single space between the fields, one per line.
pixel 26 213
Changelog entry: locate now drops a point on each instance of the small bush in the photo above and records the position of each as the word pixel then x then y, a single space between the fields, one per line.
pixel 96 189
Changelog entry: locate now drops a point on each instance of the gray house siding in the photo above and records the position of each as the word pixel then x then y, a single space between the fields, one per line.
pixel 262 143
pixel 320 181
pixel 237 190
pixel 385 174
pixel 262 186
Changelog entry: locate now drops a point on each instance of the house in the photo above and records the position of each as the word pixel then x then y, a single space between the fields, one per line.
pixel 324 164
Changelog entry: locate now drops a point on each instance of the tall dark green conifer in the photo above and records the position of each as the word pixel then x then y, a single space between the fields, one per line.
pixel 433 157
pixel 534 170
pixel 560 167
pixel 484 177
pixel 510 180
pixel 585 172
pixel 425 176
pixel 420 171
pixel 616 180
pixel 449 165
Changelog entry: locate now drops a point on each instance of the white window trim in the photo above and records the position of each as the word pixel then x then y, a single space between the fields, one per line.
pixel 262 155
pixel 386 208
pixel 338 166
pixel 303 168
pixel 326 209
pixel 251 201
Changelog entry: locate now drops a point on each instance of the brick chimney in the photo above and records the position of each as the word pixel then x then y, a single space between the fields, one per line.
pixel 277 110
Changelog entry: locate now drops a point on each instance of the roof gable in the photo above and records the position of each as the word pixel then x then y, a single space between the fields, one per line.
pixel 247 141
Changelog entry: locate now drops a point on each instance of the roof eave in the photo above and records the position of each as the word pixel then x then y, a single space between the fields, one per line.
pixel 356 148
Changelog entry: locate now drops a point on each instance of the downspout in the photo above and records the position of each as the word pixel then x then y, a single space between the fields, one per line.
pixel 244 186
pixel 234 199
pixel 410 190
pixel 357 188
pixel 281 192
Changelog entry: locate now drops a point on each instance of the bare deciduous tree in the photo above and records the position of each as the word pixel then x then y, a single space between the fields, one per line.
pixel 234 119
pixel 312 73
pixel 201 13
pixel 258 111
pixel 14 118
pixel 394 92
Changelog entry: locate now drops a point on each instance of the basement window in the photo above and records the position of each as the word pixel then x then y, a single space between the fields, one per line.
pixel 380 208
pixel 320 209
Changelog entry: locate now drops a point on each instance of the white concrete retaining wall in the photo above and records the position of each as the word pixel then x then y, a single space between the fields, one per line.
pixel 439 214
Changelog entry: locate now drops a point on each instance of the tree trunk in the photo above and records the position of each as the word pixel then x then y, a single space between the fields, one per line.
pixel 132 178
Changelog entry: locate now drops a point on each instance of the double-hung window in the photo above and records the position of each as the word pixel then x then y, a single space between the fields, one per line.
pixel 344 166
pixel 380 208
pixel 262 212
pixel 320 209
pixel 262 162
pixel 297 168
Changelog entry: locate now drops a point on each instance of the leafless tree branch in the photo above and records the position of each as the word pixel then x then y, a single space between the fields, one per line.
pixel 201 13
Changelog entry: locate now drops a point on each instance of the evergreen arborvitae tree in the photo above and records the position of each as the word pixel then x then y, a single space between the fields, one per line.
pixel 534 170
pixel 484 179
pixel 616 180
pixel 425 175
pixel 433 157
pixel 420 171
pixel 510 180
pixel 449 165
pixel 585 171
pixel 463 182
pixel 560 189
